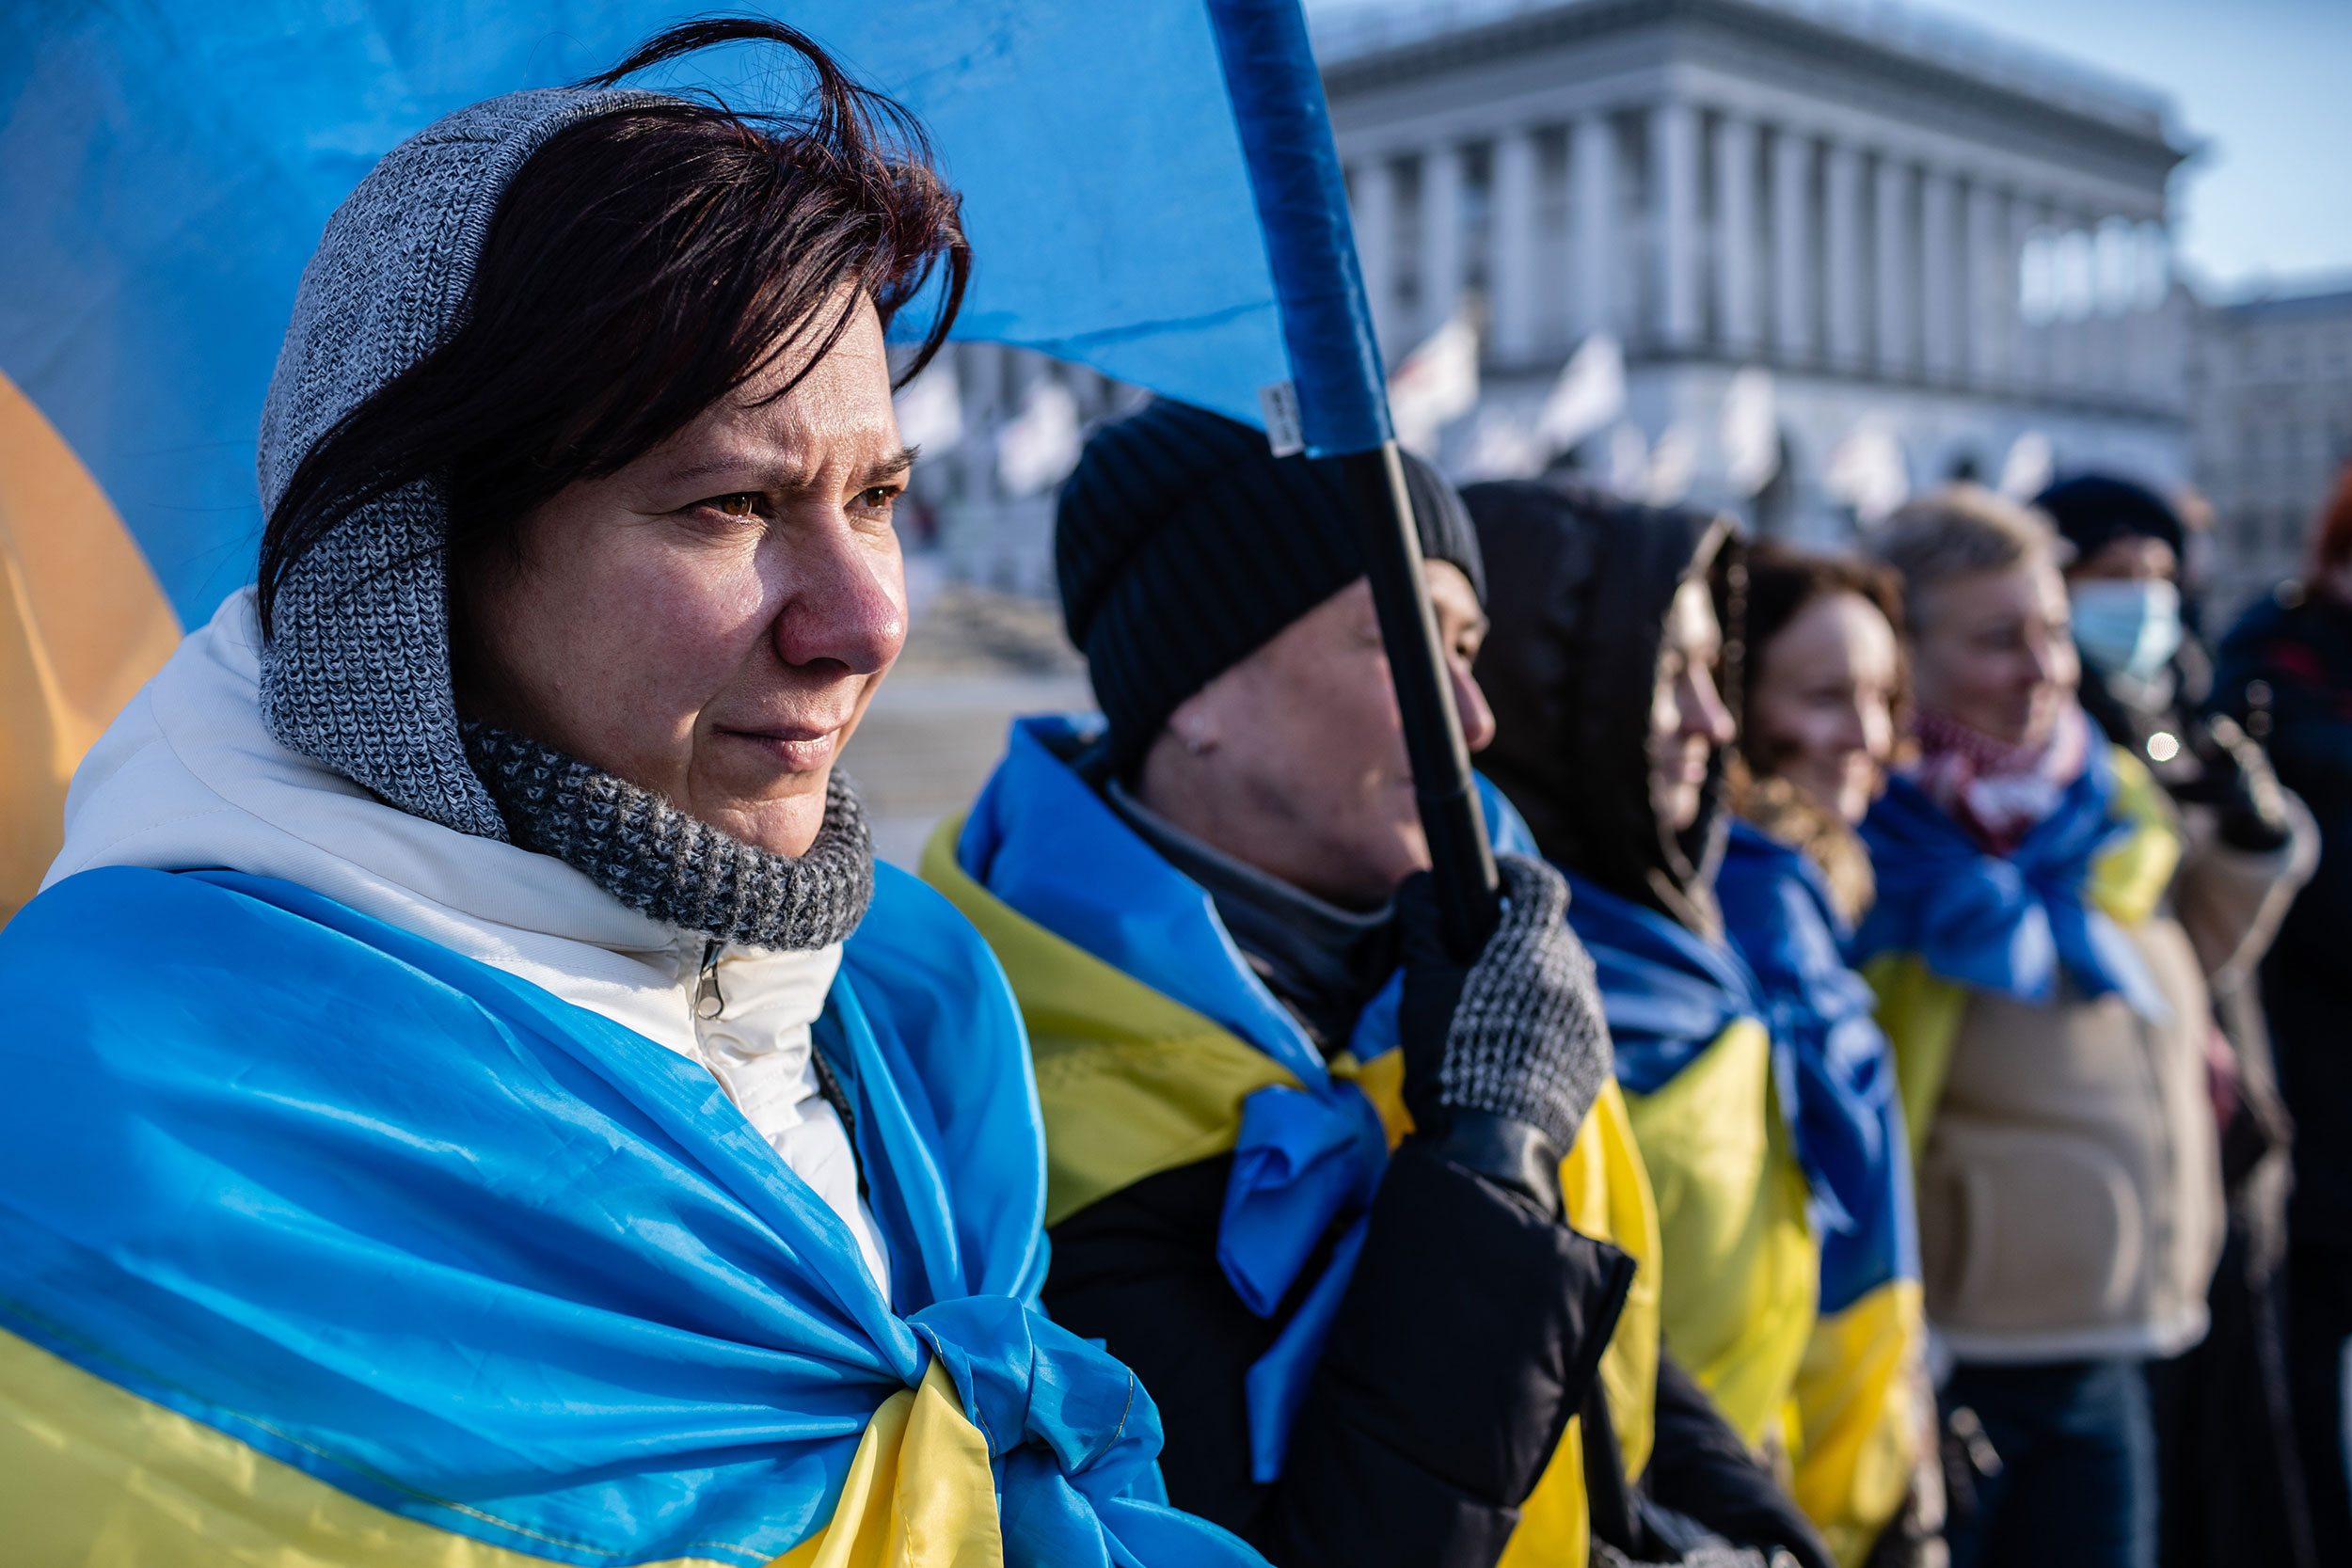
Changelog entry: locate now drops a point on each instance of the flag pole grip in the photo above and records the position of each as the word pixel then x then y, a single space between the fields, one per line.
pixel 1467 890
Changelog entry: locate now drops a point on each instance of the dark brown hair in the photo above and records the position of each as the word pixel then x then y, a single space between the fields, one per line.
pixel 643 264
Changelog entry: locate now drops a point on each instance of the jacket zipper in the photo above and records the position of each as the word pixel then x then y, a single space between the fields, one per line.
pixel 709 1002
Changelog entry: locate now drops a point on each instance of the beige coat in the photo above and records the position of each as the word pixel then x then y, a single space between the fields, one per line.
pixel 2070 1193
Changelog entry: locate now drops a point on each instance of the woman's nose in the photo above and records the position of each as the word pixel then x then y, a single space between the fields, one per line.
pixel 1854 731
pixel 843 602
pixel 2041 659
pixel 1703 714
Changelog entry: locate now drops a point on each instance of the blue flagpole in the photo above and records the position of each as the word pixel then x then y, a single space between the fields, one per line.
pixel 1343 411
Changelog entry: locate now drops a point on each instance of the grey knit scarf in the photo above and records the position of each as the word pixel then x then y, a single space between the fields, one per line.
pixel 655 858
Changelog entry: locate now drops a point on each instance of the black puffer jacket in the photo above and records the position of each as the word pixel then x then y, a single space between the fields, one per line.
pixel 1447 1382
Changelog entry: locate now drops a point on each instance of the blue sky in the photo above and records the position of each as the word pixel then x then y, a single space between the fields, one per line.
pixel 2264 86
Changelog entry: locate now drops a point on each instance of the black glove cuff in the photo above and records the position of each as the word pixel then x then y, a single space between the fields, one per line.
pixel 2245 827
pixel 1505 1150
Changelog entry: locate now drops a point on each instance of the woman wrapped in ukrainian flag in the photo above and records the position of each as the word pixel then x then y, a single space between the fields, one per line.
pixel 1610 739
pixel 474 1098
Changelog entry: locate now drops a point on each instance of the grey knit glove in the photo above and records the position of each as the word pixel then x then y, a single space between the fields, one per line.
pixel 1719 1554
pixel 1518 1034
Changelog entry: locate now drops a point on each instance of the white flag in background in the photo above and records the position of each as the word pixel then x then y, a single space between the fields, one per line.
pixel 1866 470
pixel 1040 446
pixel 1628 459
pixel 2027 473
pixel 1750 432
pixel 1436 384
pixel 930 412
pixel 1673 462
pixel 1589 396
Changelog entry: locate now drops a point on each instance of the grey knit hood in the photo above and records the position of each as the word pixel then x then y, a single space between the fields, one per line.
pixel 356 673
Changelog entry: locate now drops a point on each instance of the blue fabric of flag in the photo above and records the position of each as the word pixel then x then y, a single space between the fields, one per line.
pixel 2009 925
pixel 1834 1067
pixel 1305 1159
pixel 483 1258
pixel 166 171
pixel 1041 840
pixel 1667 990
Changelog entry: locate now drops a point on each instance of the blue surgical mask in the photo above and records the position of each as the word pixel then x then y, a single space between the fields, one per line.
pixel 2128 626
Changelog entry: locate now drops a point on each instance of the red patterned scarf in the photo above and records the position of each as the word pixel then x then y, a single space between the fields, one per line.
pixel 1997 791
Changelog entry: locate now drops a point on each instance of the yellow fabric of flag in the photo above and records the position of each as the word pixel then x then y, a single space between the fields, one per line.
pixel 83 625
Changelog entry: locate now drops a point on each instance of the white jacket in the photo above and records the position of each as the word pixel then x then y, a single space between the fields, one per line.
pixel 188 778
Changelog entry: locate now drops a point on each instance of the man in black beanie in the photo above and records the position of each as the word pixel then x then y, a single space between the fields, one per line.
pixel 1308 1175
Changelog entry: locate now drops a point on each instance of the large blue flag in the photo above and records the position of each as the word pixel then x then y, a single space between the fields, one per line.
pixel 166 171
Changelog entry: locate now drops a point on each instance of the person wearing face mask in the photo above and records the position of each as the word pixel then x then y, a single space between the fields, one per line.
pixel 2247 845
pixel 1603 668
pixel 2145 679
pixel 2285 672
pixel 1819 703
pixel 1369 1222
pixel 2049 1019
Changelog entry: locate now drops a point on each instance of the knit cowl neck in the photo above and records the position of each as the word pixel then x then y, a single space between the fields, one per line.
pixel 660 860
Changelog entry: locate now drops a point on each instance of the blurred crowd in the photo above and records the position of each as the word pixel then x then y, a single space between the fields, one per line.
pixel 1961 922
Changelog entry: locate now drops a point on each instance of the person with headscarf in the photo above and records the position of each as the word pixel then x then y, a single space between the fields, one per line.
pixel 2285 674
pixel 1369 1222
pixel 471 1093
pixel 1820 697
pixel 1603 668
pixel 2050 1021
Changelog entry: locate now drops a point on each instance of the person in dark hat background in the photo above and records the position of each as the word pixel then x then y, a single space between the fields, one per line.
pixel 1370 1222
pixel 2235 1488
pixel 2285 671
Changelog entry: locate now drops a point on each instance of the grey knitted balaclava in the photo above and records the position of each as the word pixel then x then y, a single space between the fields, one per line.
pixel 355 673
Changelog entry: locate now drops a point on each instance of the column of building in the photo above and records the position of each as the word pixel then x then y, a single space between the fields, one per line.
pixel 1842 255
pixel 1990 330
pixel 1894 290
pixel 1674 139
pixel 1943 275
pixel 1595 213
pixel 1739 310
pixel 1442 248
pixel 1511 263
pixel 1793 262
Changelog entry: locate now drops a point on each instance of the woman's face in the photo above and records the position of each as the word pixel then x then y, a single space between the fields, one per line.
pixel 1294 760
pixel 710 622
pixel 1823 705
pixel 1995 650
pixel 1687 719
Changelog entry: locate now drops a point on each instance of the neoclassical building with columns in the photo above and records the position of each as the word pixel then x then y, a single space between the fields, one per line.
pixel 1915 231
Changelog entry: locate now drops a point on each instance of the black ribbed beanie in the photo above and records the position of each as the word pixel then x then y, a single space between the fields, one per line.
pixel 2093 511
pixel 1183 544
